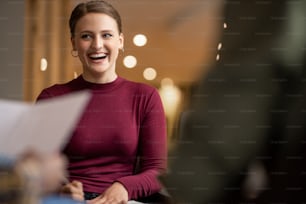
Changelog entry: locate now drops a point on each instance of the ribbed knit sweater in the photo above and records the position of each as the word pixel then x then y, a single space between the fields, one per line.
pixel 121 136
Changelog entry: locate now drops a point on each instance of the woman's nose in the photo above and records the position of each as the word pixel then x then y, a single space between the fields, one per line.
pixel 97 43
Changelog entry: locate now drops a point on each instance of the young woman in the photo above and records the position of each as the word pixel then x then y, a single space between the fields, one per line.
pixel 118 149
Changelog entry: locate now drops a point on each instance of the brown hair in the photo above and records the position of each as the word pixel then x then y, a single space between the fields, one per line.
pixel 94 6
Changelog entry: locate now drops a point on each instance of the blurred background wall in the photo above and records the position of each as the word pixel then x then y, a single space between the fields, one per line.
pixel 11 48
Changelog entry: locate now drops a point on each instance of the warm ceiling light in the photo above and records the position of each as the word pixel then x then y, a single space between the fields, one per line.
pixel 149 73
pixel 167 82
pixel 43 64
pixel 130 61
pixel 217 57
pixel 219 46
pixel 140 40
pixel 224 25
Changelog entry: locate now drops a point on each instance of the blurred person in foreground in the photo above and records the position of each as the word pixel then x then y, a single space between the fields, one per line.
pixel 32 178
pixel 244 138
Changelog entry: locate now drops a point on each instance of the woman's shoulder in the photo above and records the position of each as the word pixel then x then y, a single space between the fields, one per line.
pixel 139 87
pixel 58 89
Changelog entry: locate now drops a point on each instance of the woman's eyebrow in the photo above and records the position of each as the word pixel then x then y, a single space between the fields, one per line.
pixel 102 31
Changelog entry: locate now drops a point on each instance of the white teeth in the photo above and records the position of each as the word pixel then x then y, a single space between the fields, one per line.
pixel 97 55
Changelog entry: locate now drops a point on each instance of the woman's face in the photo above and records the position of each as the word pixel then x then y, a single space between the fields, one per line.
pixel 97 41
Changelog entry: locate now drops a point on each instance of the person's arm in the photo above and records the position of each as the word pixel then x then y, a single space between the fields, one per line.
pixel 30 176
pixel 152 152
pixel 152 159
pixel 45 172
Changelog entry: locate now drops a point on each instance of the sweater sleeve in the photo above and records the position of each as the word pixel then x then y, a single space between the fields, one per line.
pixel 152 152
pixel 43 95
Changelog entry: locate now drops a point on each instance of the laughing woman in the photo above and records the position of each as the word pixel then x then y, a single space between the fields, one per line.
pixel 118 148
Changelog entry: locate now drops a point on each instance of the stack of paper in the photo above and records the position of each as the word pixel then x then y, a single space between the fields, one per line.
pixel 45 126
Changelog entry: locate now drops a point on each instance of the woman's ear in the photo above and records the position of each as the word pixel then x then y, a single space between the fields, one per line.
pixel 72 40
pixel 121 39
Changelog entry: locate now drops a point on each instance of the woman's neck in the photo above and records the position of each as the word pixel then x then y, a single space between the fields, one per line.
pixel 100 79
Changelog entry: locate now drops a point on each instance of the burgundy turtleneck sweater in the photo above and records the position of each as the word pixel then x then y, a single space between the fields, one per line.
pixel 122 127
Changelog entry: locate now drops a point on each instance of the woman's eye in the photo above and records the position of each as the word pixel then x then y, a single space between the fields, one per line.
pixel 107 35
pixel 85 36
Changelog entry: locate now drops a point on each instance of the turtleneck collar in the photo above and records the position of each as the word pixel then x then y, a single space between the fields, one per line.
pixel 82 83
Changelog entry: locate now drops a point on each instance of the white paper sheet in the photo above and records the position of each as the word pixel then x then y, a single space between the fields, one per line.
pixel 45 126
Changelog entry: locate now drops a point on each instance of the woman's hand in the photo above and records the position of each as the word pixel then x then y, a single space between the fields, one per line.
pixel 116 194
pixel 74 190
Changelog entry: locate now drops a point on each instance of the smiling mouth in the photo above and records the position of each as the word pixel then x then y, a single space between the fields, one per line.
pixel 97 56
